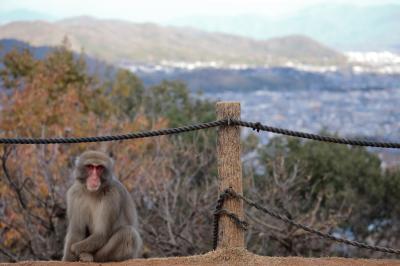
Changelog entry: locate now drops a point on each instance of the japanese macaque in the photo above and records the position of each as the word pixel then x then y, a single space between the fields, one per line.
pixel 102 218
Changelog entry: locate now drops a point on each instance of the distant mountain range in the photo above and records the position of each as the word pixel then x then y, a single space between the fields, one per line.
pixel 120 41
pixel 247 79
pixel 342 27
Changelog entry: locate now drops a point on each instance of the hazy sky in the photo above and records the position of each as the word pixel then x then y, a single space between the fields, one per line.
pixel 162 10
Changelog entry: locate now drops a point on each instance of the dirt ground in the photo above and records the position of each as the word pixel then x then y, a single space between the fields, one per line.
pixel 234 256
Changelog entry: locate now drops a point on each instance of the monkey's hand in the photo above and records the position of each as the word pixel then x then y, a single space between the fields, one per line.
pixel 86 257
pixel 76 249
pixel 89 245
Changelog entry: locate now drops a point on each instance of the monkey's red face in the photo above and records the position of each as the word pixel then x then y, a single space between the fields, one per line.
pixel 93 180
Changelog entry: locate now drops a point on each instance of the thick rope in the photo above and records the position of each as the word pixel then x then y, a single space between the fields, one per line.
pixel 217 214
pixel 258 126
pixel 285 219
pixel 224 122
pixel 143 134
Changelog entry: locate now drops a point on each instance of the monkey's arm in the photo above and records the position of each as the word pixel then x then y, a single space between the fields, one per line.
pixel 76 229
pixel 73 236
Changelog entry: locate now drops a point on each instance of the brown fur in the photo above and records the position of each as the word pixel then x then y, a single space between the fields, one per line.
pixel 102 224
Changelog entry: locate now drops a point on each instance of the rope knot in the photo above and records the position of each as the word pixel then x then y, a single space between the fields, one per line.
pixel 230 192
pixel 257 126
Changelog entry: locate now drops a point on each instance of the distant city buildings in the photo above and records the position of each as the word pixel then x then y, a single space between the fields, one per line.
pixel 356 113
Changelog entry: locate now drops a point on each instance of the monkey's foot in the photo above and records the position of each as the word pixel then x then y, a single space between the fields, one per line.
pixel 86 257
pixel 70 257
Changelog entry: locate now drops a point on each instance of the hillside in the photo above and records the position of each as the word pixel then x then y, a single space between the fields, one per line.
pixel 94 65
pixel 117 41
pixel 8 45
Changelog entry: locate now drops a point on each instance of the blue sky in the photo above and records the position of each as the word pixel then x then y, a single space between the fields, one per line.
pixel 158 11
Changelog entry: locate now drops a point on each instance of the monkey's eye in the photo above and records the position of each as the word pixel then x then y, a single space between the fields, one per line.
pixel 99 168
pixel 90 167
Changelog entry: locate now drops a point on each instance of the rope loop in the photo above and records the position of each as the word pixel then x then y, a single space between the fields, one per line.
pixel 240 223
pixel 227 193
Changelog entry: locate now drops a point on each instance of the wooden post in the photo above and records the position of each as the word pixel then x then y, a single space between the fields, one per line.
pixel 229 174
